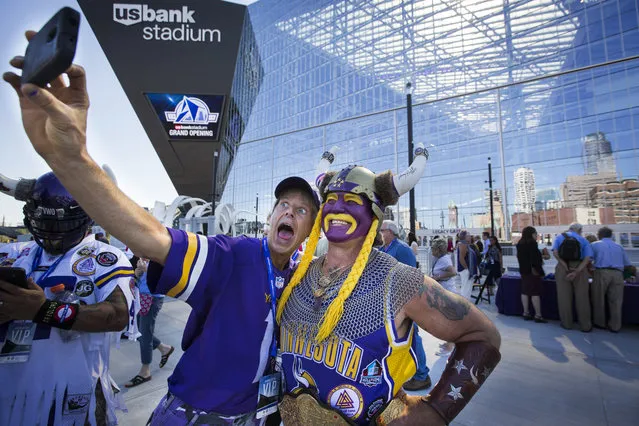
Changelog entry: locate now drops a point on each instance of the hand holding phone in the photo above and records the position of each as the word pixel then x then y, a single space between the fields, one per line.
pixel 15 276
pixel 50 52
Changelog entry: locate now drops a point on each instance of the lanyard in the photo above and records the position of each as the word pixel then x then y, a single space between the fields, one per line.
pixel 36 263
pixel 271 281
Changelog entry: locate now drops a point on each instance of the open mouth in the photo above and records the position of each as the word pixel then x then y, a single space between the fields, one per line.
pixel 339 221
pixel 285 232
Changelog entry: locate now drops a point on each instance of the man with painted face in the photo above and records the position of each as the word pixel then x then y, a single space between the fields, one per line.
pixel 225 280
pixel 347 319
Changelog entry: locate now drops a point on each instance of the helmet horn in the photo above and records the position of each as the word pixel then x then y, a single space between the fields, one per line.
pixel 406 180
pixel 19 189
pixel 325 162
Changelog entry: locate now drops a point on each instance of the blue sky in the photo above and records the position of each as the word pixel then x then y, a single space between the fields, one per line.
pixel 115 136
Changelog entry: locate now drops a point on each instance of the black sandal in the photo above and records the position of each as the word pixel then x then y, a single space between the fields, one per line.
pixel 540 320
pixel 527 317
pixel 137 380
pixel 165 358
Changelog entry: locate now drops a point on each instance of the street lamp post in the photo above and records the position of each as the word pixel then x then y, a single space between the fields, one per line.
pixel 490 188
pixel 409 116
pixel 257 201
pixel 213 201
pixel 210 230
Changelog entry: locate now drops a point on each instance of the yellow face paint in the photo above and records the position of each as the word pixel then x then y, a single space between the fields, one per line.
pixel 354 198
pixel 344 218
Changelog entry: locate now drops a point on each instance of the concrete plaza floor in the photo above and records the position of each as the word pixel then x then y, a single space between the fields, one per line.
pixel 548 376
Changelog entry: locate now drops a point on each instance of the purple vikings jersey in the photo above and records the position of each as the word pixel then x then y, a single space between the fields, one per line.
pixel 228 334
pixel 364 363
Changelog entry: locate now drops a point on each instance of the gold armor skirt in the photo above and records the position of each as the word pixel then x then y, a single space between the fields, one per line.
pixel 304 410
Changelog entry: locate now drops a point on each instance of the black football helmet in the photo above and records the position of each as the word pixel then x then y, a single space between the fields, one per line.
pixel 54 218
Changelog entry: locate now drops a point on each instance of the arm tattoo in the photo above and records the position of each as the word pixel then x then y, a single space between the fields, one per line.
pixel 110 315
pixel 452 306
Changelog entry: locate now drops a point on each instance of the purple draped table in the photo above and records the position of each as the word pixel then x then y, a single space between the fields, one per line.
pixel 508 299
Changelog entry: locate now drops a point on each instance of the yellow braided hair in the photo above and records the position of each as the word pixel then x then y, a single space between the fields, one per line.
pixel 307 257
pixel 335 310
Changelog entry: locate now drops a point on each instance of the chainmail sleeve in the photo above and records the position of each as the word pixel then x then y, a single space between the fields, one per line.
pixel 402 284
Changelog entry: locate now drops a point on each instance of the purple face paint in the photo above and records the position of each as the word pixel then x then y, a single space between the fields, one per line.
pixel 346 216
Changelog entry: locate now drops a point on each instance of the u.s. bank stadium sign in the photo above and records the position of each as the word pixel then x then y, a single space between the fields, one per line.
pixel 177 24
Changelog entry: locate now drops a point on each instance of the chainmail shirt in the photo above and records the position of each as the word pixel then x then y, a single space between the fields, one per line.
pixel 385 285
pixel 363 363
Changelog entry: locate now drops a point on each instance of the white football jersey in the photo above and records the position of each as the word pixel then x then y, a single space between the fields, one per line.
pixel 55 371
pixel 9 252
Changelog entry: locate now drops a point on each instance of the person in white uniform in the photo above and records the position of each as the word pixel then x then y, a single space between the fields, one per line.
pixel 55 335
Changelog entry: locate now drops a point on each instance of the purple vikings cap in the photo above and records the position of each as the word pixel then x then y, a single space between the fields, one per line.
pixel 295 182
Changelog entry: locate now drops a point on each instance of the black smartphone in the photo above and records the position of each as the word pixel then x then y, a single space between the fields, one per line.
pixel 50 52
pixel 15 276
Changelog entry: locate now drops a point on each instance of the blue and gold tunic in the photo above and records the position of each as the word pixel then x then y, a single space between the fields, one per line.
pixel 364 363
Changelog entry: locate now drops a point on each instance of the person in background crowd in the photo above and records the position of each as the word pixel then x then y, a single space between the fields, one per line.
pixel 495 259
pixel 79 293
pixel 451 246
pixel 590 268
pixel 412 242
pixel 466 263
pixel 476 278
pixel 544 248
pixel 443 272
pixel 394 246
pixel 573 253
pixel 610 259
pixel 591 238
pixel 400 251
pixel 151 304
pixel 486 243
pixel 532 273
pixel 225 280
pixel 479 245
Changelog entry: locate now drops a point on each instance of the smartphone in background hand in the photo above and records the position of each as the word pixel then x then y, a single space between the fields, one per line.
pixel 50 52
pixel 15 276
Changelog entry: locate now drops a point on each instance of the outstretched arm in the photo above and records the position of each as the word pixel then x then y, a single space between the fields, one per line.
pixel 452 318
pixel 55 120
pixel 25 304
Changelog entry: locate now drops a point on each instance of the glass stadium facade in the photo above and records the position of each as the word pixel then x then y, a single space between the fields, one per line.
pixel 548 89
